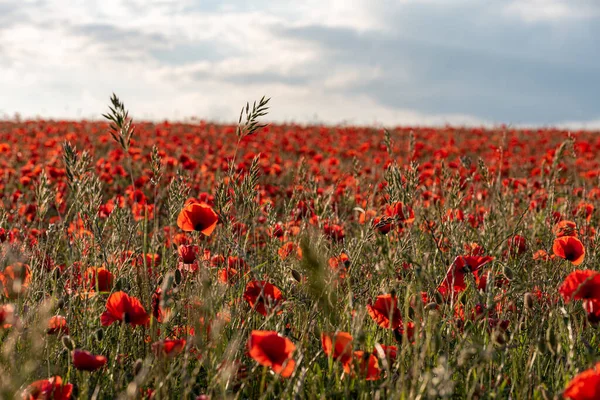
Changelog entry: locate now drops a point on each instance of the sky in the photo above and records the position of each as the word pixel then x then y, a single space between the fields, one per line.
pixel 390 62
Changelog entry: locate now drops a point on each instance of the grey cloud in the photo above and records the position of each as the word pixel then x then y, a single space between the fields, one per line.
pixel 483 66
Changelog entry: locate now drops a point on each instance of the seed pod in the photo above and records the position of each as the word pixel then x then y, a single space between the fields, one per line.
pixel 68 343
pixel 528 301
pixel 137 366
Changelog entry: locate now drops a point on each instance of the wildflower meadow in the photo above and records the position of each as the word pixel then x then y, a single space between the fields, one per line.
pixel 195 260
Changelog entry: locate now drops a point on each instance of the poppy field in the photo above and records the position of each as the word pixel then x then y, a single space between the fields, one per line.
pixel 205 261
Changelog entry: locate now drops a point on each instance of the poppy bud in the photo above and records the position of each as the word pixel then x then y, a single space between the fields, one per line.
pixel 528 301
pixel 508 273
pixel 431 306
pixel 551 341
pixel 121 285
pixel 544 393
pixel 61 303
pixel 361 337
pixel 499 337
pixel 297 275
pixel 68 343
pixel 137 367
pixel 132 389
pixel 99 334
pixel 178 277
pixel 467 356
pixel 541 345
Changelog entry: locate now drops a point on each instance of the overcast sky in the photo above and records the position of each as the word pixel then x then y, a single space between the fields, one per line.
pixel 335 61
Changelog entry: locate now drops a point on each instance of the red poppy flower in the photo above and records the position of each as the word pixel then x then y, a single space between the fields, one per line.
pixel 338 346
pixel 288 248
pixel 188 253
pixel 48 389
pixel 592 310
pixel 270 349
pixel 367 365
pixel 569 248
pixel 383 224
pixel 585 210
pixel 15 280
pixel 565 228
pixel 581 285
pixel 263 296
pixel 339 264
pixel 454 281
pixel 121 307
pixel 517 245
pixel 400 212
pixel 198 217
pixel 585 385
pixel 86 361
pixel 228 275
pixel 7 315
pixel 158 312
pixel 57 325
pixel 385 311
pixel 98 278
pixel 169 347
pixel 542 255
pixel 389 352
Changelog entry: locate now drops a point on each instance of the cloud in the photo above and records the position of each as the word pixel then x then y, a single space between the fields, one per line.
pixel 409 61
pixel 553 10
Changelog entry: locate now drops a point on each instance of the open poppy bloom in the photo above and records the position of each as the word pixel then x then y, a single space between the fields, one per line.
pixel 263 296
pixel 161 314
pixel 86 361
pixel 270 349
pixel 517 245
pixel 48 389
pixel 121 307
pixel 592 310
pixel 7 316
pixel 15 280
pixel 383 224
pixel 57 325
pixel 198 217
pixel 368 366
pixel 401 212
pixel 169 347
pixel 389 352
pixel 581 285
pixel 569 248
pixel 98 278
pixel 338 346
pixel 454 282
pixel 385 311
pixel 585 385
pixel 188 253
pixel 565 228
